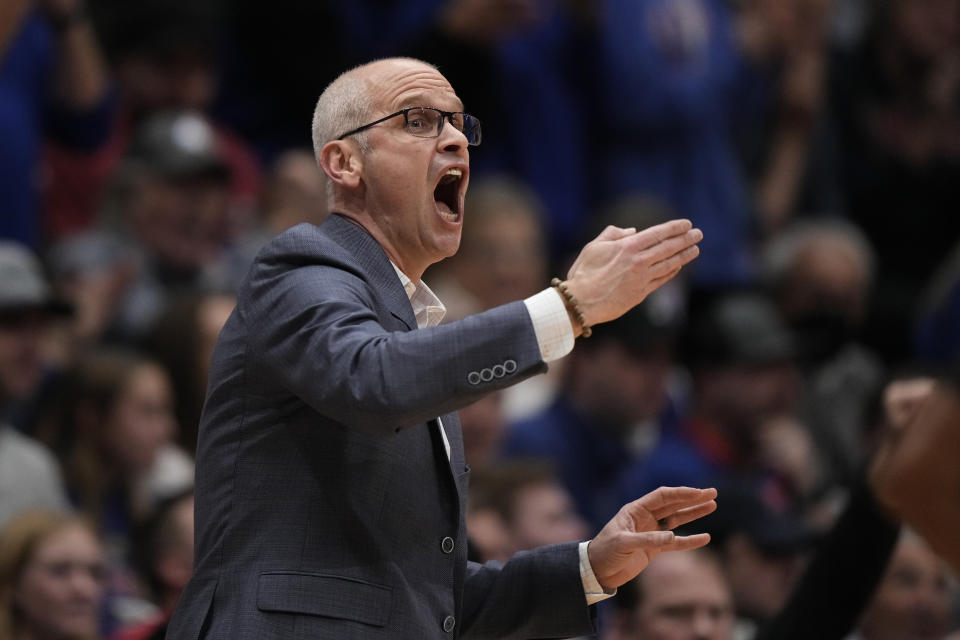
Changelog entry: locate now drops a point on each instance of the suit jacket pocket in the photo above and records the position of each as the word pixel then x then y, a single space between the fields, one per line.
pixel 324 595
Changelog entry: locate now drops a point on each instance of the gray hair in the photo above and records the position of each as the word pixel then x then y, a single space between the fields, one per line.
pixel 343 105
pixel 781 252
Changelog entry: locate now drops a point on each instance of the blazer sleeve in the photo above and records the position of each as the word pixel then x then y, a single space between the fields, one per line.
pixel 319 332
pixel 537 594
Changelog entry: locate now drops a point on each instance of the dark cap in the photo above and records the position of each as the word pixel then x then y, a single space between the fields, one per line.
pixel 739 329
pixel 647 328
pixel 178 145
pixel 23 285
pixel 757 510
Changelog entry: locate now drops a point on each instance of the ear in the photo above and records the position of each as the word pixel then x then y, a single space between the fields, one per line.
pixel 342 162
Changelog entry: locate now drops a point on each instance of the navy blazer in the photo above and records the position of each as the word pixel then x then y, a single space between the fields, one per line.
pixel 326 505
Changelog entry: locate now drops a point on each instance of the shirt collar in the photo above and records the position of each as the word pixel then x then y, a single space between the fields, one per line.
pixel 427 308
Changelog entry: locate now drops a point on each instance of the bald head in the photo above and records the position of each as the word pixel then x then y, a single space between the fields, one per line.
pixel 348 101
pixel 679 596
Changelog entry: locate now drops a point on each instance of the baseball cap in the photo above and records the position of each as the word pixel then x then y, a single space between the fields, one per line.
pixel 177 145
pixel 754 509
pixel 23 286
pixel 648 327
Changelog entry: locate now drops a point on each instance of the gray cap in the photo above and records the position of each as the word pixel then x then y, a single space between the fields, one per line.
pixel 23 285
pixel 178 144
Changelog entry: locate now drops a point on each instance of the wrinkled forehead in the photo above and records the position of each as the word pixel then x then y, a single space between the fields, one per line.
pixel 395 85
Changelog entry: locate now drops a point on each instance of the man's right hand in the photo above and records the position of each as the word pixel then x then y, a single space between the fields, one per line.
pixel 619 268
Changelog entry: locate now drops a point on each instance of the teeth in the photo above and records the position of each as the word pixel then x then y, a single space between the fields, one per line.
pixel 451 175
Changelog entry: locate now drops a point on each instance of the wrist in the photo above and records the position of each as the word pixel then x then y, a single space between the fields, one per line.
pixel 574 310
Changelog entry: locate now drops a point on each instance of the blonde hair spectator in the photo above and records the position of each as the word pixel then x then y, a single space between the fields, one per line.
pixel 51 577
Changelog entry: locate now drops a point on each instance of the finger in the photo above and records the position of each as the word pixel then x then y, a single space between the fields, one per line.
pixel 685 543
pixel 665 500
pixel 670 247
pixel 615 233
pixel 659 281
pixel 648 540
pixel 688 514
pixel 674 262
pixel 657 234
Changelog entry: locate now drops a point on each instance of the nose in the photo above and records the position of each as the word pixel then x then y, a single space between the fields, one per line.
pixel 451 139
pixel 705 626
pixel 85 585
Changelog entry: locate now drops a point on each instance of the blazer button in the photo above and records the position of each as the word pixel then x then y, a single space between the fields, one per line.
pixel 446 545
pixel 449 623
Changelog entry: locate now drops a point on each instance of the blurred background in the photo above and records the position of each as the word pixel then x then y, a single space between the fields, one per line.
pixel 148 149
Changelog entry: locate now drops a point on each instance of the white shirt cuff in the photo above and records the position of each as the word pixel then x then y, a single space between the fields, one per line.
pixel 551 324
pixel 591 588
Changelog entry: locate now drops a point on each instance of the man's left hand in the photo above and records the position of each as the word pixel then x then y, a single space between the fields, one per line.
pixel 642 529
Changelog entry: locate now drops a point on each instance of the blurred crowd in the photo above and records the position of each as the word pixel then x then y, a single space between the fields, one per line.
pixel 150 148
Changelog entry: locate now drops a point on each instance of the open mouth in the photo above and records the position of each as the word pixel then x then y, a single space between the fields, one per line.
pixel 447 194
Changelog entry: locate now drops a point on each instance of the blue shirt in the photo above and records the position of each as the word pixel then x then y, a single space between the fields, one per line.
pixel 28 112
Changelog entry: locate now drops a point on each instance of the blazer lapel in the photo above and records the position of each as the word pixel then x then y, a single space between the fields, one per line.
pixel 374 263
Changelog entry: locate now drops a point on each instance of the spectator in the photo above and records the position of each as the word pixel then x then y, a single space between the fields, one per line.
pixel 836 585
pixel 788 149
pixel 682 597
pixel 116 431
pixel 116 439
pixel 669 73
pixel 52 82
pixel 517 506
pixel 51 578
pixel 914 598
pixel 170 200
pixel 28 306
pixel 820 274
pixel 613 393
pixel 93 271
pixel 763 544
pixel 914 470
pixel 744 377
pixel 29 475
pixel 165 558
pixel 165 55
pixel 182 341
pixel 293 193
pixel 897 100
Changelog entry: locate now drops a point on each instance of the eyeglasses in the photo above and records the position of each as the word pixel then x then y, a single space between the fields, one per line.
pixel 427 122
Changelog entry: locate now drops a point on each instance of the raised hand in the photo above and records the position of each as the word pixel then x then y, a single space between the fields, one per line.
pixel 620 267
pixel 642 529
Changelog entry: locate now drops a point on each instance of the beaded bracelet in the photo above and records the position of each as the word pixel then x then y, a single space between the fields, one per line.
pixel 571 303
